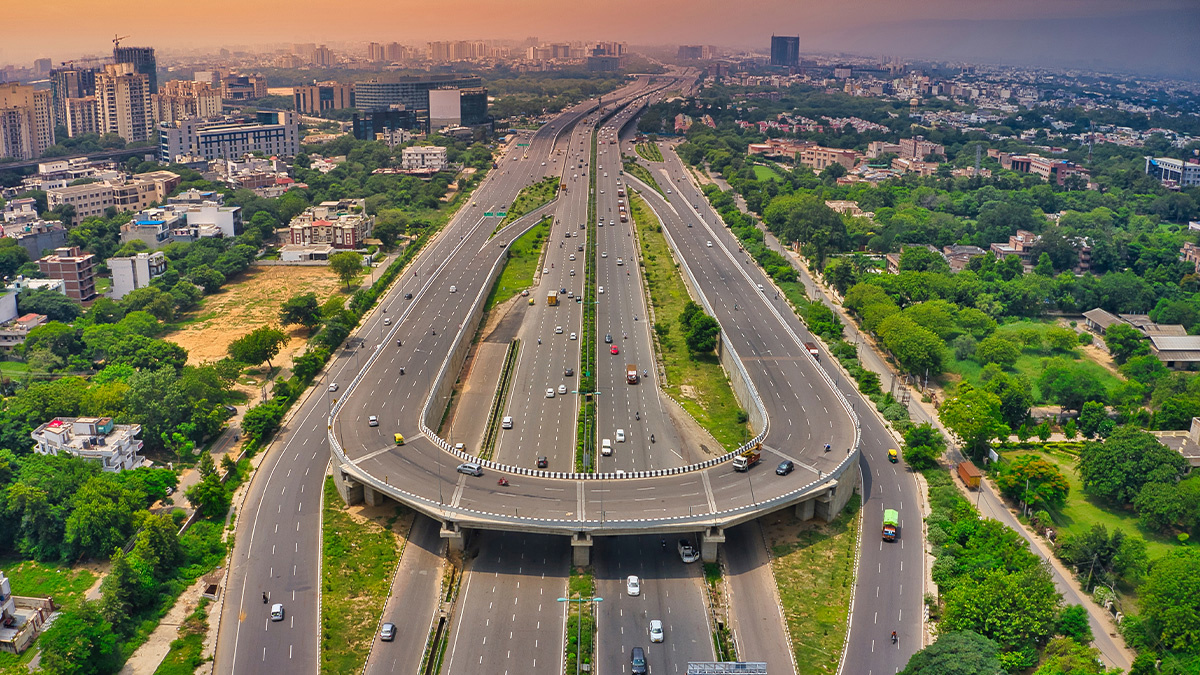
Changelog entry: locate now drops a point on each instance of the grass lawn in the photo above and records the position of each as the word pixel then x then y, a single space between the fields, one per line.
pixel 103 285
pixel 644 175
pixel 529 199
pixel 765 173
pixel 814 568
pixel 13 367
pixel 649 152
pixel 1030 363
pixel 699 384
pixel 358 560
pixel 1080 512
pixel 521 265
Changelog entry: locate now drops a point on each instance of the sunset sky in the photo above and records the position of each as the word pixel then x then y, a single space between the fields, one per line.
pixel 1133 35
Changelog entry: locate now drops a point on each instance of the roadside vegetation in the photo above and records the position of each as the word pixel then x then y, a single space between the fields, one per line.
pixel 358 559
pixel 643 174
pixel 529 199
pixel 813 564
pixel 521 265
pixel 581 640
pixel 649 152
pixel 185 655
pixel 694 376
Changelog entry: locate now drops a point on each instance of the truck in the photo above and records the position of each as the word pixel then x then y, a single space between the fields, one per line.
pixel 624 218
pixel 812 349
pixel 748 458
pixel 891 524
pixel 969 474
pixel 552 298
pixel 631 375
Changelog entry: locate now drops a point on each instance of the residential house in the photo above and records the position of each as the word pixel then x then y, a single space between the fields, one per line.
pixel 98 439
pixel 14 331
pixel 959 255
pixel 342 224
pixel 21 618
pixel 76 269
pixel 136 271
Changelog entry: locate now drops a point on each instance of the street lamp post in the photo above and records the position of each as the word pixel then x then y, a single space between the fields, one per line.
pixel 579 628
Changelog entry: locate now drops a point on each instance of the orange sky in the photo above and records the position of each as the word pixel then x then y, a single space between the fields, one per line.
pixel 861 26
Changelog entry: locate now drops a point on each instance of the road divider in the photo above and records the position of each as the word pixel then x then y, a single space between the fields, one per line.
pixel 498 401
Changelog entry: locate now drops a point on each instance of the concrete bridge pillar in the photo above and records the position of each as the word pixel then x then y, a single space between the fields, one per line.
pixel 454 535
pixel 350 489
pixel 805 509
pixel 372 496
pixel 824 506
pixel 710 540
pixel 581 549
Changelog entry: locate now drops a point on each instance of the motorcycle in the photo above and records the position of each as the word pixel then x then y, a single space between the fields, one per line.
pixel 503 482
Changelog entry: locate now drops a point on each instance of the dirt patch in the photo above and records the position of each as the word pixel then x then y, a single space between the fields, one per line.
pixel 251 302
pixel 688 391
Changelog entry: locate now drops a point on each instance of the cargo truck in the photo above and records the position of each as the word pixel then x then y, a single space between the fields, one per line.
pixel 812 348
pixel 969 474
pixel 891 524
pixel 552 298
pixel 748 458
pixel 631 375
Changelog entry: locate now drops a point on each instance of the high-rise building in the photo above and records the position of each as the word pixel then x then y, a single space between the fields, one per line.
pixel 76 268
pixel 375 52
pixel 181 99
pixel 313 98
pixel 81 116
pixel 67 83
pixel 26 121
pixel 322 56
pixel 411 92
pixel 123 103
pixel 243 87
pixel 42 66
pixel 394 51
pixel 143 62
pixel 272 133
pixel 689 52
pixel 785 50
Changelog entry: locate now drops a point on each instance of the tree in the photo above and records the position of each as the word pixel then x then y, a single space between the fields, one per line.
pixel 702 334
pixel 1016 609
pixel 1170 600
pixel 917 349
pixel 1093 417
pixel 1073 623
pixel 956 653
pixel 1117 468
pixel 55 305
pixel 1065 656
pixel 209 496
pixel 1062 339
pixel 1159 506
pixel 921 259
pixel 1044 267
pixel 12 256
pixel 998 350
pixel 261 344
pixel 81 642
pixel 208 278
pixel 923 445
pixel 973 415
pixel 1069 384
pixel 1125 341
pixel 302 309
pixel 346 265
pixel 1034 481
pixel 1013 391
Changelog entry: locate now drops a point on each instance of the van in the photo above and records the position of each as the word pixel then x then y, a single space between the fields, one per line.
pixel 471 469
pixel 507 423
pixel 637 661
pixel 606 447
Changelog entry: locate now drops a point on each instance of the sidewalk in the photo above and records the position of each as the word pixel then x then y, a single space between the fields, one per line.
pixel 1104 629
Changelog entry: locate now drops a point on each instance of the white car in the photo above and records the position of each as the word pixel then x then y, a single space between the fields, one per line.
pixel 710 243
pixel 277 612
pixel 372 421
pixel 600 290
pixel 633 586
pixel 620 435
pixel 656 630
pixel 571 257
pixel 454 289
pixel 507 423
pixel 604 254
pixel 549 393
pixel 572 336
pixel 545 270
pixel 562 388
pixel 620 262
pixel 558 330
pixel 333 386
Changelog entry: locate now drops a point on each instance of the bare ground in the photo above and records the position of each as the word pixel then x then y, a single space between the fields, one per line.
pixel 253 301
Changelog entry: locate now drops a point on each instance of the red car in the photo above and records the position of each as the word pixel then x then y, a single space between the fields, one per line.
pixel 614 350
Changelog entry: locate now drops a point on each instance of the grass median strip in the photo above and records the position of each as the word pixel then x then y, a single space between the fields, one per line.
pixel 580 638
pixel 529 199
pixel 699 383
pixel 358 560
pixel 649 152
pixel 642 173
pixel 813 564
pixel 523 257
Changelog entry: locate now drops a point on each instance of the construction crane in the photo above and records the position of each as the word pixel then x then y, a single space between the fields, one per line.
pixel 117 40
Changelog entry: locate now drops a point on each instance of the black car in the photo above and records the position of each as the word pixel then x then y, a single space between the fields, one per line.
pixel 408 296
pixel 785 467
pixel 608 339
pixel 637 661
pixel 542 462
pixel 568 372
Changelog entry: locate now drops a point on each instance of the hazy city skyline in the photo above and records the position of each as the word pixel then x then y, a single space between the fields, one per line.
pixel 1156 36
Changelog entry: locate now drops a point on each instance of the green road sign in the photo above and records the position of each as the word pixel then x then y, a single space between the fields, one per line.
pixel 488 214
pixel 522 145
pixel 502 213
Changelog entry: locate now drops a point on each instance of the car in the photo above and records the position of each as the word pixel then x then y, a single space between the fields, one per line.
pixel 277 612
pixel 614 350
pixel 785 467
pixel 761 289
pixel 709 244
pixel 525 293
pixel 611 221
pixel 572 336
pixel 470 468
pixel 387 320
pixel 608 338
pixel 604 254
pixel 543 164
pixel 620 262
pixel 558 330
pixel 656 630
pixel 572 271
pixel 669 191
pixel 581 247
pixel 542 462
pixel 687 552
pixel 633 585
pixel 408 296
pixel 568 371
pixel 620 435
pixel 570 294
pixel 372 421
pixel 170 490
pixel 545 270
pixel 333 386
pixel 562 290
pixel 571 257
pixel 454 289
pixel 507 422
pixel 388 632
pixel 600 290
pixel 550 393
pixel 562 388
pixel 581 226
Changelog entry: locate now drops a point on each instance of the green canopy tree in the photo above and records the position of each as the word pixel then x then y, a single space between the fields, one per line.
pixel 261 344
pixel 1170 600
pixel 956 653
pixel 1034 481
pixel 347 265
pixel 302 309
pixel 1117 468
pixel 974 416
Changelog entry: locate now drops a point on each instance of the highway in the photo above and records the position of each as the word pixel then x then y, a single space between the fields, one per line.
pixel 276 549
pixel 889 587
